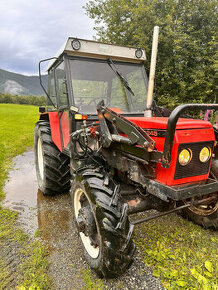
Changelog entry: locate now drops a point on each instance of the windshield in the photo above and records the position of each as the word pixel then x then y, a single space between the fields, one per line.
pixel 95 80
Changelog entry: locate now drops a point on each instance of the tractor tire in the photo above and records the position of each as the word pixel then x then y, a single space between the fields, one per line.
pixel 102 222
pixel 205 215
pixel 52 166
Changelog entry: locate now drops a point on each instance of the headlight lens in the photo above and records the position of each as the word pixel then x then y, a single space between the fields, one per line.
pixel 185 157
pixel 205 154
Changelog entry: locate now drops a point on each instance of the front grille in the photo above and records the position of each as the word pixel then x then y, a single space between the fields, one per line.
pixel 195 167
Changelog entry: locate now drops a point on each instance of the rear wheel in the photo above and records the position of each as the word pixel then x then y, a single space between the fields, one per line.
pixel 205 215
pixel 103 224
pixel 52 166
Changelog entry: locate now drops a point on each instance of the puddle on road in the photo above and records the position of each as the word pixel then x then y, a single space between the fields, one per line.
pixel 54 218
pixel 51 215
pixel 21 190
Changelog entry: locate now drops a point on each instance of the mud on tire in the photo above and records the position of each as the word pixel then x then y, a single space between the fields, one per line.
pixel 52 166
pixel 109 235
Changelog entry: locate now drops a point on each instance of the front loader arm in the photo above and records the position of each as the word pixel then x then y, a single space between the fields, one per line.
pixel 110 119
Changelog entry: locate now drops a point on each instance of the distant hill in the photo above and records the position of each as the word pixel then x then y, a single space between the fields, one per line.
pixel 18 84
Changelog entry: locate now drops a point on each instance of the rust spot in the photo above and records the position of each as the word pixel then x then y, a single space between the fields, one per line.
pixel 134 202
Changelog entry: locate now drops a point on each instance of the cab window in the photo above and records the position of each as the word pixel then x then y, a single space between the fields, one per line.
pixel 61 86
pixel 51 89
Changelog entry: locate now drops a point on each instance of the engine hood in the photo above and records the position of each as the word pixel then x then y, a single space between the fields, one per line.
pixel 161 123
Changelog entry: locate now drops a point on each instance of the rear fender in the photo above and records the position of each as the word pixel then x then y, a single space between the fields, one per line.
pixel 53 119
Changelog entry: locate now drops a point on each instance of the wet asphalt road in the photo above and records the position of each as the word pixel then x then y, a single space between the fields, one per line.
pixel 53 217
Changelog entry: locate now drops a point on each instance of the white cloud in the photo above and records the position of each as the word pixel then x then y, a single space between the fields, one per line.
pixel 35 29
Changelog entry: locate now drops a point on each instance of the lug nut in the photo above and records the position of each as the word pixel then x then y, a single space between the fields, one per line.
pixel 81 225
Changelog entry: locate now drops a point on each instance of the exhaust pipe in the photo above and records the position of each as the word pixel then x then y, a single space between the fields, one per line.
pixel 148 112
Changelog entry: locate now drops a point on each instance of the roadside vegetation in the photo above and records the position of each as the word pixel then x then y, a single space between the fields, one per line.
pixel 16 134
pixel 181 254
pixel 91 282
pixel 22 100
pixel 27 259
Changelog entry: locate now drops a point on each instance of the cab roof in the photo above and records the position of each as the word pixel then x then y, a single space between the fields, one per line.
pixel 99 50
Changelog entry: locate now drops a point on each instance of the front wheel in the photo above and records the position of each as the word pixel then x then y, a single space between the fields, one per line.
pixel 102 223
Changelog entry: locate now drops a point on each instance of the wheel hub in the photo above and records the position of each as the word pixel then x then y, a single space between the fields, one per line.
pixel 86 223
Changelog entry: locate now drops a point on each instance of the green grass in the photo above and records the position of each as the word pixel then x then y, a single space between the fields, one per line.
pixel 34 267
pixel 182 254
pixel 16 135
pixel 91 282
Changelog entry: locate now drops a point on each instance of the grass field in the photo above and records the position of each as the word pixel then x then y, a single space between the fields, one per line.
pixel 16 134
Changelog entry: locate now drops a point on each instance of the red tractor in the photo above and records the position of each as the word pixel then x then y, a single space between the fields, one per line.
pixel 118 153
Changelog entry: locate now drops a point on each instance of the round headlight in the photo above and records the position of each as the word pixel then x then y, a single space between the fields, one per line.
pixel 205 154
pixel 75 44
pixel 138 53
pixel 185 157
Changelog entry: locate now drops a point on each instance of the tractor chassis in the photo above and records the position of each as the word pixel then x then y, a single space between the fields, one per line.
pixel 131 150
pixel 147 219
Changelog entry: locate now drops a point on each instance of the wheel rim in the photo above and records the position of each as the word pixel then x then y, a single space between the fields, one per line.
pixel 40 158
pixel 91 250
pixel 205 209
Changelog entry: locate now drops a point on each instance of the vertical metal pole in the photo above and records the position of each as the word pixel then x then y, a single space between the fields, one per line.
pixel 148 112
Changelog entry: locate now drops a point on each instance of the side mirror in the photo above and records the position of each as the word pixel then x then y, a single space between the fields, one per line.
pixel 40 78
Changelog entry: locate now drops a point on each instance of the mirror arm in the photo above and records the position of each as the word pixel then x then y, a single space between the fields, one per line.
pixel 40 79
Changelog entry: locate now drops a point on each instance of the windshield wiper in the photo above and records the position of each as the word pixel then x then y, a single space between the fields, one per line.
pixel 122 78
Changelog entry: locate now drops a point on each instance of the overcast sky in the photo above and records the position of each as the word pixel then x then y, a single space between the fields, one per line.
pixel 31 30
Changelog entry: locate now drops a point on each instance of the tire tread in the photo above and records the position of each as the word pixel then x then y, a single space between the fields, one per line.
pixel 56 164
pixel 116 232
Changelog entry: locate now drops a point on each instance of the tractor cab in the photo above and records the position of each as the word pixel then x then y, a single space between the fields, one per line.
pixel 86 72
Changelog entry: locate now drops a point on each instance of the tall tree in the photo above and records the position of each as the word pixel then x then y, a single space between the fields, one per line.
pixel 187 51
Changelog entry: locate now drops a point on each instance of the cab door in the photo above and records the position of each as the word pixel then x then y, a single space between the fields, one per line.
pixel 63 104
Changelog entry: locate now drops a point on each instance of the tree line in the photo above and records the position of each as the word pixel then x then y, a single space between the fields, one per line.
pixel 187 51
pixel 23 100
